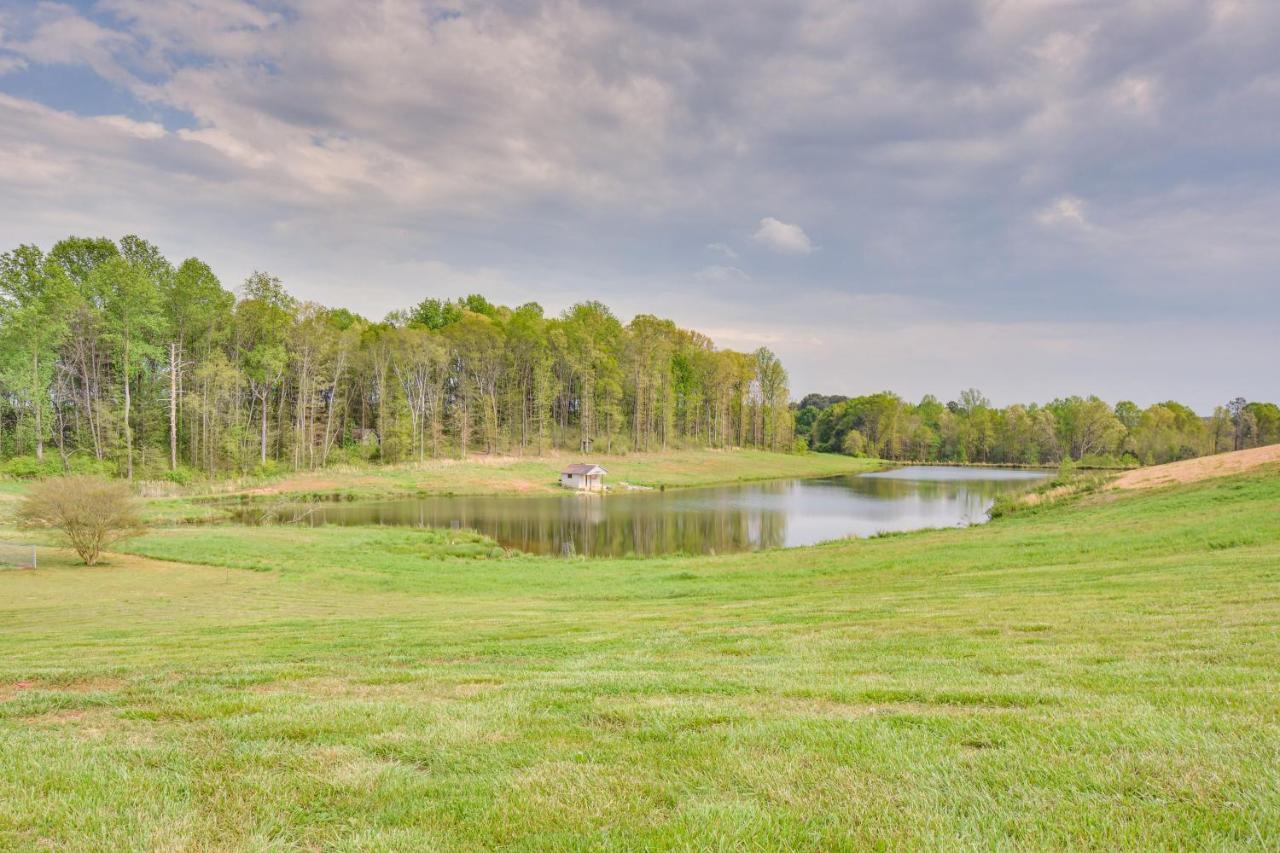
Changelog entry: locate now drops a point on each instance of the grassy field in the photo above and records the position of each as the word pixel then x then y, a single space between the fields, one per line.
pixel 480 475
pixel 1099 673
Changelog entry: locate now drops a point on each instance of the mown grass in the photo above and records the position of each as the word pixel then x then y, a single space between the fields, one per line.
pixel 1101 673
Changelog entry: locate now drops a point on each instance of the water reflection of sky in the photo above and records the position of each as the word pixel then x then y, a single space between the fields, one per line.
pixel 712 520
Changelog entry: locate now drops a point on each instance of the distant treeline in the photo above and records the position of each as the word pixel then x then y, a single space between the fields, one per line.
pixel 114 359
pixel 1083 429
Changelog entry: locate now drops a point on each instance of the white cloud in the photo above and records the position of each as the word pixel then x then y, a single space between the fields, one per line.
pixel 783 237
pixel 723 249
pixel 720 274
pixel 1062 51
pixel 1065 211
pixel 61 35
pixel 754 337
pixel 11 63
pixel 1136 96
pixel 227 145
pixel 139 129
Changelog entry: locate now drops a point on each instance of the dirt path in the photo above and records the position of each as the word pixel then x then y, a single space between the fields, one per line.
pixel 1190 470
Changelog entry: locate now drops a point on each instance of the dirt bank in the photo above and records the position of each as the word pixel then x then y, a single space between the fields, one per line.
pixel 1190 470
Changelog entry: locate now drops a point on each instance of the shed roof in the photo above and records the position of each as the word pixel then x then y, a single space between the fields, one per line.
pixel 583 468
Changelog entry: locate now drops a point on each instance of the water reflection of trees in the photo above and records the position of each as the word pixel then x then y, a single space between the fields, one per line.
pixel 890 488
pixel 615 526
pixel 666 530
pixel 703 521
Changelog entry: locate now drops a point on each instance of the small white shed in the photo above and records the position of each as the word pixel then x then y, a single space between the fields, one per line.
pixel 583 477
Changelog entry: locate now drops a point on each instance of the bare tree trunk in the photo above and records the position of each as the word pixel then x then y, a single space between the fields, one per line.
pixel 205 428
pixel 128 430
pixel 173 406
pixel 465 432
pixel 262 456
pixel 62 439
pixel 280 421
pixel 96 386
pixel 380 379
pixel 333 403
pixel 88 414
pixel 35 401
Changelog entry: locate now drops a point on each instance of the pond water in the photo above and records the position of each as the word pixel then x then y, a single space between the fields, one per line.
pixel 722 519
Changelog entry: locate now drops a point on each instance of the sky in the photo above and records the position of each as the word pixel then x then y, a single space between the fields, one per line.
pixel 1036 198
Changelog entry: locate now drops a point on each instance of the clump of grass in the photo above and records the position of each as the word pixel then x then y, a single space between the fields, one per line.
pixel 1069 484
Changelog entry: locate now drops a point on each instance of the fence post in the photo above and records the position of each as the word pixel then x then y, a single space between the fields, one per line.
pixel 33 557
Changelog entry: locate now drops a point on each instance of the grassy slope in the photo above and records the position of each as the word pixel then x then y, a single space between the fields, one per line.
pixel 1097 674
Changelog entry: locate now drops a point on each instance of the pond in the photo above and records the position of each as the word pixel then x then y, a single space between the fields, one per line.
pixel 723 519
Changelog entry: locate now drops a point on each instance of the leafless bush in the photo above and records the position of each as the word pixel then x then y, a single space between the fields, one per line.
pixel 91 512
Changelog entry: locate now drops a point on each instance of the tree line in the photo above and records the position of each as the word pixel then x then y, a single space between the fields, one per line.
pixel 114 359
pixel 1083 429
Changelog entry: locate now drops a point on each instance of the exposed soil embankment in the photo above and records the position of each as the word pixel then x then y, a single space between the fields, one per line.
pixel 1190 470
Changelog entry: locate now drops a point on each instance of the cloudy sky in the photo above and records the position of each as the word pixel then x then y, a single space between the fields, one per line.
pixel 1034 197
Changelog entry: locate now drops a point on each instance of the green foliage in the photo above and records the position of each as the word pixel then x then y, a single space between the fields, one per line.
pixel 199 308
pixel 270 468
pixel 1128 413
pixel 84 463
pixel 267 292
pixel 1260 424
pixel 30 468
pixel 970 430
pixel 1110 460
pixel 182 475
pixel 435 314
pixel 354 454
pixel 854 443
pixel 79 257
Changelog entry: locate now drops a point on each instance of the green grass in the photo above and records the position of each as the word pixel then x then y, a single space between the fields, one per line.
pixel 11 491
pixel 1098 673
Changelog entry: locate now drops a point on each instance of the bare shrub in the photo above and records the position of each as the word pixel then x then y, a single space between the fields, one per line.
pixel 92 512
